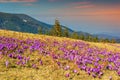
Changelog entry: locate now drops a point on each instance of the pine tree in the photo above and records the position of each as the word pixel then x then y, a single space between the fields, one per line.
pixel 106 40
pixel 82 36
pixel 66 33
pixel 75 35
pixel 113 41
pixel 95 39
pixel 47 32
pixel 40 30
pixel 102 40
pixel 90 38
pixel 52 32
pixel 57 28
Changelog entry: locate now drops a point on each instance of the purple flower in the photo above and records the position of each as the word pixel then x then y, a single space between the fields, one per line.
pixel 41 63
pixel 10 55
pixel 34 65
pixel 83 67
pixel 54 56
pixel 75 71
pixel 20 51
pixel 18 62
pixel 67 67
pixel 110 78
pixel 109 67
pixel 6 63
pixel 0 53
pixel 58 63
pixel 23 62
pixel 1 46
pixel 118 73
pixel 71 57
pixel 19 57
pixel 88 72
pixel 100 74
pixel 94 75
pixel 67 75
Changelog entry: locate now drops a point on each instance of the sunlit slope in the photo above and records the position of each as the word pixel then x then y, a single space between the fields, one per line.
pixel 25 56
pixel 108 46
pixel 115 47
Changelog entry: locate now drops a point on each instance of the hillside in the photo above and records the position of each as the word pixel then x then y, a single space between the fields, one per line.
pixel 25 56
pixel 21 22
pixel 25 23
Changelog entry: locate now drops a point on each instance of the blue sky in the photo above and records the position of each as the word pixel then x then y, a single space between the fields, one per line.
pixel 93 16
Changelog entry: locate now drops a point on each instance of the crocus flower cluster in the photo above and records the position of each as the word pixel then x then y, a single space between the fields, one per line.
pixel 93 60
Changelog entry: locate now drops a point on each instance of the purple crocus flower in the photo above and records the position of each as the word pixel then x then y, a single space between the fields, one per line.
pixel 0 53
pixel 54 56
pixel 110 78
pixel 19 57
pixel 67 67
pixel 41 63
pixel 23 62
pixel 94 75
pixel 6 63
pixel 100 74
pixel 109 67
pixel 67 75
pixel 10 55
pixel 34 65
pixel 58 63
pixel 88 72
pixel 75 71
pixel 18 62
pixel 118 73
pixel 1 46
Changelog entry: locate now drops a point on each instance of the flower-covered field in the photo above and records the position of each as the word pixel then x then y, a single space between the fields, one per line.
pixel 26 56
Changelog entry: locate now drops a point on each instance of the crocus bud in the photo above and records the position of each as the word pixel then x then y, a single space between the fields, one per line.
pixel 7 63
pixel 67 75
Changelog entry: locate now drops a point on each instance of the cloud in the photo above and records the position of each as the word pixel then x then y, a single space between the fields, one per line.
pixel 80 3
pixel 84 6
pixel 52 0
pixel 86 12
pixel 28 4
pixel 55 0
pixel 18 0
pixel 106 12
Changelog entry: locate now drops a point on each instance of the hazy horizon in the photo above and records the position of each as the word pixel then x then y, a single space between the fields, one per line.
pixel 92 16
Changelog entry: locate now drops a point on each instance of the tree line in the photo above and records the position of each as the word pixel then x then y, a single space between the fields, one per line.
pixel 57 30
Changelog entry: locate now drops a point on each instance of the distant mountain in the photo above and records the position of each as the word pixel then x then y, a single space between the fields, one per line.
pixel 105 35
pixel 108 36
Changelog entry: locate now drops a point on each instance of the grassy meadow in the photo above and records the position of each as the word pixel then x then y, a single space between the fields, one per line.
pixel 27 56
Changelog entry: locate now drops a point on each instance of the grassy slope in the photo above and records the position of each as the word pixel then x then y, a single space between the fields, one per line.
pixel 48 71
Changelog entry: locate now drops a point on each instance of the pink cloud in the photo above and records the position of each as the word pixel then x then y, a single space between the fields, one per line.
pixel 80 3
pixel 84 6
pixel 52 0
pixel 18 0
pixel 28 4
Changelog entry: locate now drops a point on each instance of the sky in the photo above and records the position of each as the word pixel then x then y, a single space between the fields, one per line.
pixel 93 16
